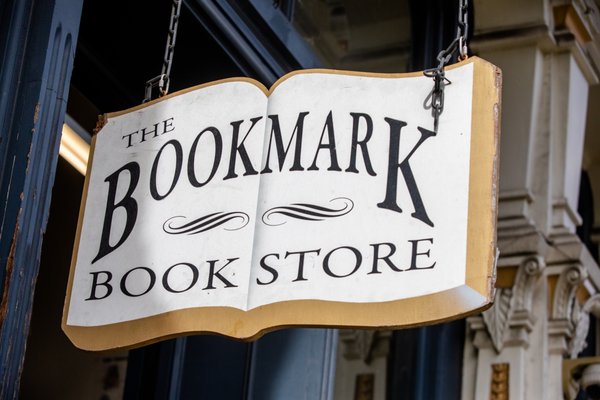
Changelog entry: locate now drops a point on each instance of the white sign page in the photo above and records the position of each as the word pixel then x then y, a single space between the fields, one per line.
pixel 169 218
pixel 372 206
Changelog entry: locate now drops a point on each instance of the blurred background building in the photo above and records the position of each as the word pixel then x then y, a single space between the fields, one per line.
pixel 64 62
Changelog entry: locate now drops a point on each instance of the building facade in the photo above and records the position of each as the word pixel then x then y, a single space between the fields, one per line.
pixel 69 61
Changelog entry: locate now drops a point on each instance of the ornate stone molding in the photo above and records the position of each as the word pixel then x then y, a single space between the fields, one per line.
pixel 510 318
pixel 364 344
pixel 499 388
pixel 496 318
pixel 582 324
pixel 566 312
pixel 564 295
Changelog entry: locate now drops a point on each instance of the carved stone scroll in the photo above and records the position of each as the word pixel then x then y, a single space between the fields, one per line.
pixel 512 306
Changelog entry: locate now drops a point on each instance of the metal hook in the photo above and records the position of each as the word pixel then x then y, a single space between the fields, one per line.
pixel 436 96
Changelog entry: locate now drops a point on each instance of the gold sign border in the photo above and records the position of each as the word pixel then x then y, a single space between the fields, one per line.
pixel 474 296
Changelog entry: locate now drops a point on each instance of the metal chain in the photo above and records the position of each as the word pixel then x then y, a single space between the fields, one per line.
pixel 436 96
pixel 163 80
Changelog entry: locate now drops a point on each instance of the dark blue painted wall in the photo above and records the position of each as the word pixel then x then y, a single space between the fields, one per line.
pixel 37 48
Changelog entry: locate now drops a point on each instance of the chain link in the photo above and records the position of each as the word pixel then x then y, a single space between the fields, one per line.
pixel 463 29
pixel 435 99
pixel 163 80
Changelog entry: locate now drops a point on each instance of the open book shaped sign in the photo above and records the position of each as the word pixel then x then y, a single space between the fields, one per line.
pixel 327 200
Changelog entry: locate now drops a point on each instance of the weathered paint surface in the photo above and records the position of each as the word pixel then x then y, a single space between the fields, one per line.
pixel 38 52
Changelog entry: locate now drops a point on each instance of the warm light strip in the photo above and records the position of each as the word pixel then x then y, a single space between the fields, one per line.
pixel 74 149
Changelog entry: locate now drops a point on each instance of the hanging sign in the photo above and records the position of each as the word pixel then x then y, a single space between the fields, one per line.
pixel 327 200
